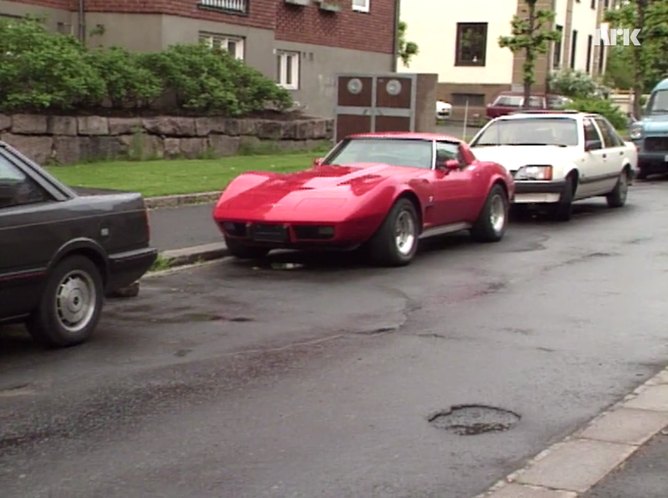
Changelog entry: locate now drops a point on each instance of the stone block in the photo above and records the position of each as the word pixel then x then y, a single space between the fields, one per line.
pixel 125 126
pixel 319 129
pixel 67 150
pixel 206 126
pixel 107 148
pixel 29 124
pixel 5 122
pixel 172 147
pixel 269 130
pixel 170 126
pixel 193 148
pixel 62 125
pixel 141 146
pixel 37 148
pixel 248 126
pixel 93 125
pixel 222 145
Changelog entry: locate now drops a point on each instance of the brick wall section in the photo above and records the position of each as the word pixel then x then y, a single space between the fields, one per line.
pixel 371 32
pixel 54 4
pixel 262 13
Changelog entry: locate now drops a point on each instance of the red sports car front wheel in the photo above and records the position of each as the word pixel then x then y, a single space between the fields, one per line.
pixel 396 242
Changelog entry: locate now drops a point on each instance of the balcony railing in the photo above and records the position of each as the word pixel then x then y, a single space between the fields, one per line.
pixel 236 6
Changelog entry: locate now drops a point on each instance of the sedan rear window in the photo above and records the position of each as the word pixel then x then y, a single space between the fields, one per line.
pixel 531 131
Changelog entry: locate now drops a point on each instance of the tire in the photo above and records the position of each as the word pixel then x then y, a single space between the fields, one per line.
pixel 70 305
pixel 243 251
pixel 396 241
pixel 563 209
pixel 493 219
pixel 642 173
pixel 617 198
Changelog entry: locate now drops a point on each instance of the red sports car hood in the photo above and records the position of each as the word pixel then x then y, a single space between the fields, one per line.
pixel 317 194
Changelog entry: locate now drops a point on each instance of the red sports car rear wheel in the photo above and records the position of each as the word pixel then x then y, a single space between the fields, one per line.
pixel 493 219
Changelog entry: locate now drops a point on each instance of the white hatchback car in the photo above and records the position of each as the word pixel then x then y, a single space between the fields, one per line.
pixel 557 157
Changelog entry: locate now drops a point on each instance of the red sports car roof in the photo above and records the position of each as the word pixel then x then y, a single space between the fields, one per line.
pixel 406 135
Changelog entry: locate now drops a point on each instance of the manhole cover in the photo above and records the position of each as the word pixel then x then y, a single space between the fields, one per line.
pixel 469 420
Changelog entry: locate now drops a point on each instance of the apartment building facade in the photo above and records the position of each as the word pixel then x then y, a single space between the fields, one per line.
pixel 459 41
pixel 301 44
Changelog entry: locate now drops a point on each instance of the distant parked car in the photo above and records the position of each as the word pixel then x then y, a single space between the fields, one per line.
pixel 650 133
pixel 383 191
pixel 557 157
pixel 62 250
pixel 443 110
pixel 508 102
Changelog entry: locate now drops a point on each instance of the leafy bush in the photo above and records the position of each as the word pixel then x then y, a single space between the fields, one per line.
pixel 128 84
pixel 210 80
pixel 41 70
pixel 603 107
pixel 576 84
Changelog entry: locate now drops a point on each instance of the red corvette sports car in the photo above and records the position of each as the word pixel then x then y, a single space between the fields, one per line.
pixel 381 190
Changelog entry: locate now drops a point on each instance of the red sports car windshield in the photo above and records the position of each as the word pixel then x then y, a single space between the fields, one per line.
pixel 416 153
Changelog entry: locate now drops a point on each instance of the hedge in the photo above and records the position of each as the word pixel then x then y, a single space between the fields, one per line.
pixel 41 71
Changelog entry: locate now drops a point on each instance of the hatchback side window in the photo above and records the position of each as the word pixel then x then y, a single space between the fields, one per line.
pixel 610 135
pixel 590 131
pixel 16 188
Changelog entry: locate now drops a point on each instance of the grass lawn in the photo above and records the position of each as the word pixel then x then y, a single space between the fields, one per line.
pixel 168 177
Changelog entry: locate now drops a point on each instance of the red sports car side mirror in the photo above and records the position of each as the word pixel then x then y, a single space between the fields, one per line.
pixel 451 164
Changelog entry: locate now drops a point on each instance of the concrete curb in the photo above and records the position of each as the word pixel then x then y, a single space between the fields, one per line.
pixel 195 254
pixel 168 201
pixel 583 459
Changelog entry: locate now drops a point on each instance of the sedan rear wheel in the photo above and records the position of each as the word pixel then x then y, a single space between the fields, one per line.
pixel 396 242
pixel 617 198
pixel 70 306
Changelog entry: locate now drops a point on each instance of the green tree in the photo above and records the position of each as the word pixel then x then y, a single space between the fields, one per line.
pixel 407 49
pixel 617 74
pixel 648 59
pixel 531 36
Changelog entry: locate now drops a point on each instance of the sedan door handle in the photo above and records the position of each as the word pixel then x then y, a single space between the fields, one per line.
pixel 604 156
pixel 621 153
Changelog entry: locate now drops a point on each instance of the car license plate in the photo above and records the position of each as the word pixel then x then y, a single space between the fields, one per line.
pixel 270 233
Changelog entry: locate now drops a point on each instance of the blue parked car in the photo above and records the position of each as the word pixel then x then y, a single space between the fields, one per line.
pixel 650 134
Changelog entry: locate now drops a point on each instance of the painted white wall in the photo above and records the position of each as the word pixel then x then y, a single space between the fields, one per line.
pixel 432 24
pixel 584 21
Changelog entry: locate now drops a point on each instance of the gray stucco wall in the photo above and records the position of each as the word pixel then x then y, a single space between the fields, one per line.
pixel 53 16
pixel 319 66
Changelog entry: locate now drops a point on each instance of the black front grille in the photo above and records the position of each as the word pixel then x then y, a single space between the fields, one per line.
pixel 269 233
pixel 235 229
pixel 656 144
pixel 313 232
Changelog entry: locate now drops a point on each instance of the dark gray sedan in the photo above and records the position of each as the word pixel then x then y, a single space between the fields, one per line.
pixel 62 251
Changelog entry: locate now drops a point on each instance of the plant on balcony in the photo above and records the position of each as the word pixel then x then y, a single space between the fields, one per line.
pixel 331 5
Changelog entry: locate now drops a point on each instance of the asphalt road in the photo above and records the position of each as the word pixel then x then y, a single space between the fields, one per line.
pixel 315 375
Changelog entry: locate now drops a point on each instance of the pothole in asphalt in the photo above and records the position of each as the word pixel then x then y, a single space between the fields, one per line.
pixel 470 420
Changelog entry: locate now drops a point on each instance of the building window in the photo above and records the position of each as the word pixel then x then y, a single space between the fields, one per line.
pixel 362 5
pixel 590 43
pixel 574 46
pixel 473 99
pixel 471 44
pixel 234 45
pixel 601 59
pixel 556 56
pixel 234 6
pixel 287 69
pixel 593 4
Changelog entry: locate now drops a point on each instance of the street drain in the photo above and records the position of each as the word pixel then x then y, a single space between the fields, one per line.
pixel 470 420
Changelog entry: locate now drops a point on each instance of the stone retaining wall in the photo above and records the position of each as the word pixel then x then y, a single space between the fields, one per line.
pixel 69 139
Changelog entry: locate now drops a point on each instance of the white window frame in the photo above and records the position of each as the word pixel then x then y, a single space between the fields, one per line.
pixel 282 76
pixel 223 41
pixel 362 5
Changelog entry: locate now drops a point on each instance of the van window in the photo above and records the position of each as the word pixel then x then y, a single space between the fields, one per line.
pixel 658 102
